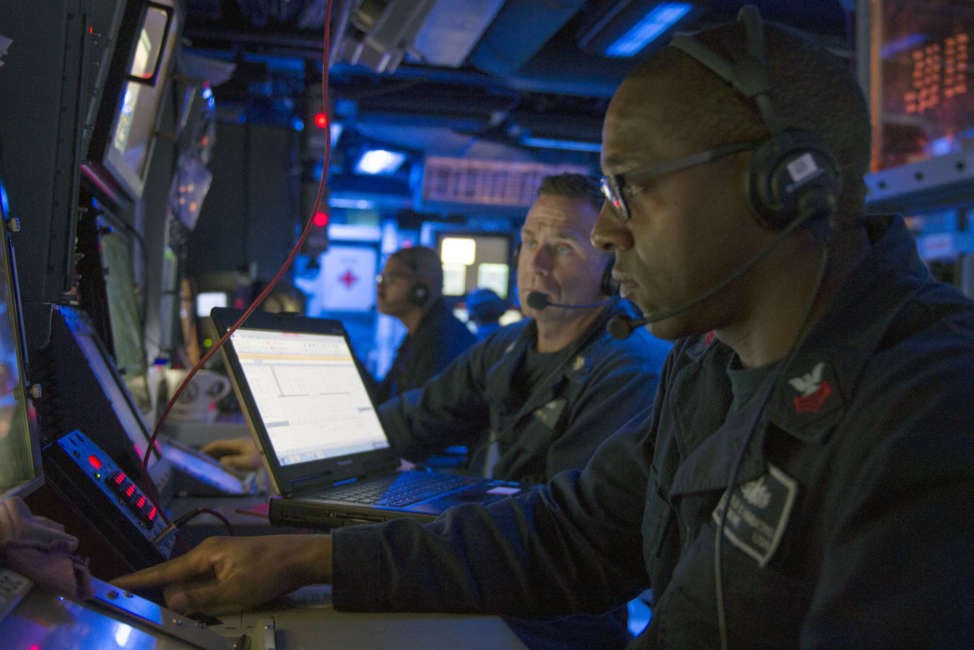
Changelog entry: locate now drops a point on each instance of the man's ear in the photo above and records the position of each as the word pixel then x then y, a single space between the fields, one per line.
pixel 742 169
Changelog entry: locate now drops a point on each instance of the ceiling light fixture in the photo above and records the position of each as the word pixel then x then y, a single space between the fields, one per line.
pixel 649 28
pixel 554 143
pixel 377 162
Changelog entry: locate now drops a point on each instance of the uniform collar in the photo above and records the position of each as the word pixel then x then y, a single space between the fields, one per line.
pixel 577 363
pixel 811 393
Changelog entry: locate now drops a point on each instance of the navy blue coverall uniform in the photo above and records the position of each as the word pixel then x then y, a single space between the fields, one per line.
pixel 851 521
pixel 438 340
pixel 557 426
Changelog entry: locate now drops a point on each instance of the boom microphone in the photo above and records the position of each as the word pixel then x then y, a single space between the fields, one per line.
pixel 538 300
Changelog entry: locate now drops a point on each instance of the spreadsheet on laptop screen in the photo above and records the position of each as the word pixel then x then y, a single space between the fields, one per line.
pixel 308 393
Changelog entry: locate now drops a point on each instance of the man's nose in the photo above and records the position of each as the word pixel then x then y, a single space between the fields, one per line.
pixel 540 259
pixel 608 233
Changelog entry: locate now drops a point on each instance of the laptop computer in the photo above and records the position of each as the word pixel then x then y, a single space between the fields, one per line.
pixel 318 433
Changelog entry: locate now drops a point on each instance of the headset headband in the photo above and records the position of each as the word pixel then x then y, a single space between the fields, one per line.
pixel 749 76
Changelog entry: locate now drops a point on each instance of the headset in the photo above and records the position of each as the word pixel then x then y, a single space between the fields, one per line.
pixel 793 178
pixel 792 174
pixel 418 294
pixel 607 285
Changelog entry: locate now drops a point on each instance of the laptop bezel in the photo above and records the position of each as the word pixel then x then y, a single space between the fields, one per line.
pixel 297 478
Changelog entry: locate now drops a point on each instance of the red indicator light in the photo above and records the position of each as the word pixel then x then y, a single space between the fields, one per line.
pixel 120 478
pixel 141 502
pixel 129 492
pixel 321 120
pixel 320 219
pixel 152 513
pixel 94 461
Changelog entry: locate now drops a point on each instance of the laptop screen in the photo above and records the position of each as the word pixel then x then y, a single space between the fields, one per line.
pixel 309 395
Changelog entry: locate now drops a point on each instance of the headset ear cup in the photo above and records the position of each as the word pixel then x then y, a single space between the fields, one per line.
pixel 419 293
pixel 790 177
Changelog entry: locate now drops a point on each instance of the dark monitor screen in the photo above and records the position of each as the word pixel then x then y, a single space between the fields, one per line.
pixel 19 446
pixel 133 132
pixel 922 91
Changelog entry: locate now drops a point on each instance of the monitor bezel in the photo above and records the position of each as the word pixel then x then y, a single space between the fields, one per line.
pixel 287 480
pixel 16 321
pixel 131 181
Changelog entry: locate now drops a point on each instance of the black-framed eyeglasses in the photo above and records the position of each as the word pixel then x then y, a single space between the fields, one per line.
pixel 615 187
pixel 387 277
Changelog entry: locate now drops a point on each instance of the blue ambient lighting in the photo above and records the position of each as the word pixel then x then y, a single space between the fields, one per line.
pixel 657 21
pixel 4 202
pixel 570 145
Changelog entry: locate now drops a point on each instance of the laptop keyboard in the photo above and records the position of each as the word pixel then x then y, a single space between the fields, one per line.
pixel 401 490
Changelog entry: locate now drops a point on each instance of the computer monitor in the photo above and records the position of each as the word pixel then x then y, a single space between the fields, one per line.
pixel 132 136
pixel 20 461
pixel 207 300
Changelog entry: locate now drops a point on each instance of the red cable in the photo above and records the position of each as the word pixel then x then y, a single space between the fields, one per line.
pixel 147 484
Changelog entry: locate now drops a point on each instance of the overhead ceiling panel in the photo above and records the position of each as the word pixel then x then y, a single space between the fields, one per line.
pixel 520 29
pixel 452 29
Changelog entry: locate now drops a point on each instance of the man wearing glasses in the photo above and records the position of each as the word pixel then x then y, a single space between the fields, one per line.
pixel 410 288
pixel 806 475
pixel 539 396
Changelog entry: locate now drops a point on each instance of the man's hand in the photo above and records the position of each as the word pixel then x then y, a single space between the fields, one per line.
pixel 238 453
pixel 232 574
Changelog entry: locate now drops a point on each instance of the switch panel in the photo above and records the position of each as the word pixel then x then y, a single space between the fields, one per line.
pixel 108 497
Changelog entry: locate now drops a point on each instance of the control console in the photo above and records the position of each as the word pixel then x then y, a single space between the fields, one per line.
pixel 109 498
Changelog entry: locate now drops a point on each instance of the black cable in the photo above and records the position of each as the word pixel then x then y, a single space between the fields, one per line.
pixel 184 519
pixel 752 427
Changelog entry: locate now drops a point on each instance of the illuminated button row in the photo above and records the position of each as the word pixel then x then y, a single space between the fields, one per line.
pixel 137 502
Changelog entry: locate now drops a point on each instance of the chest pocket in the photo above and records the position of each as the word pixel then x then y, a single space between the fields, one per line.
pixel 754 579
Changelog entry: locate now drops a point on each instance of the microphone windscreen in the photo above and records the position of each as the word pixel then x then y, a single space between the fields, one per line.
pixel 537 300
pixel 619 327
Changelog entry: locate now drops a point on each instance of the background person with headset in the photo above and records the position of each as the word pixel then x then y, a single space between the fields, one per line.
pixel 806 477
pixel 410 288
